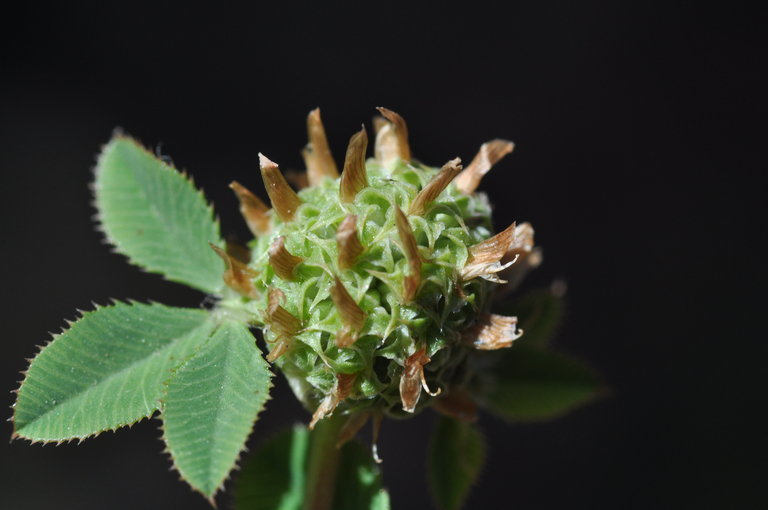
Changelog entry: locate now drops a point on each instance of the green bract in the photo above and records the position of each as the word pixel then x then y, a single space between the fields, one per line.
pixel 374 288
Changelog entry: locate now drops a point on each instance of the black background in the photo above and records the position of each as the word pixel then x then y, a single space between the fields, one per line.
pixel 637 131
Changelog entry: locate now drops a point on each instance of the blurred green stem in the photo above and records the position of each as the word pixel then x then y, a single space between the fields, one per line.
pixel 323 464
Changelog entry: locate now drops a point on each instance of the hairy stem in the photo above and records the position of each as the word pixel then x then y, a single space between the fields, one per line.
pixel 323 464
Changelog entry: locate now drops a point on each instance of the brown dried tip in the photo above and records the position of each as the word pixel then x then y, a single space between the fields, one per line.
pixel 485 257
pixel 317 154
pixel 281 261
pixel 522 243
pixel 458 404
pixel 351 427
pixel 340 391
pixel 252 208
pixel 407 239
pixel 348 243
pixel 285 201
pixel 413 380
pixel 439 182
pixel 489 154
pixel 391 138
pixel 493 332
pixel 352 316
pixel 354 177
pixel 282 322
pixel 237 275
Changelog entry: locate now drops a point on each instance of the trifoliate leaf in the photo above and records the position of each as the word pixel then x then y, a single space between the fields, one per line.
pixel 211 405
pixel 106 371
pixel 532 384
pixel 154 215
pixel 275 476
pixel 456 457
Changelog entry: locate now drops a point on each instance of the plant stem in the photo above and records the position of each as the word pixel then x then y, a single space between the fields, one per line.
pixel 323 464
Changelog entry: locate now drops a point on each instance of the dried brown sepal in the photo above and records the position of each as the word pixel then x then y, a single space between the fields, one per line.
pixel 439 182
pixel 317 154
pixel 354 177
pixel 281 260
pixel 341 390
pixel 458 404
pixel 254 211
pixel 412 380
pixel 278 349
pixel 285 201
pixel 391 138
pixel 492 332
pixel 238 251
pixel 485 258
pixel 348 242
pixel 351 427
pixel 282 322
pixel 489 154
pixel 237 276
pixel 408 240
pixel 352 316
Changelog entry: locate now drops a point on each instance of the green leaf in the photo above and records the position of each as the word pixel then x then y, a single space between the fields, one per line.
pixel 456 457
pixel 106 371
pixel 154 215
pixel 539 315
pixel 211 405
pixel 531 384
pixel 275 476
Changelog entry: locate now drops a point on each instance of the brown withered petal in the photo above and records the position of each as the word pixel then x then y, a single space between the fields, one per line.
pixel 439 182
pixel 317 154
pixel 351 427
pixel 354 177
pixel 285 201
pixel 485 257
pixel 408 241
pixel 281 260
pixel 458 404
pixel 348 242
pixel 493 332
pixel 237 275
pixel 238 251
pixel 489 154
pixel 281 345
pixel 282 322
pixel 352 316
pixel 392 138
pixel 412 380
pixel 340 391
pixel 252 208
pixel 522 242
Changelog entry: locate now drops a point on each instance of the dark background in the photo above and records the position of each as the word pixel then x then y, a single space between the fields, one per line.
pixel 637 131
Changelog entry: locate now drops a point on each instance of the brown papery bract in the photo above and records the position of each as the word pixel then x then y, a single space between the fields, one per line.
pixel 348 243
pixel 489 154
pixel 412 380
pixel 485 257
pixel 410 248
pixel 434 187
pixel 253 209
pixel 340 391
pixel 354 177
pixel 281 260
pixel 352 316
pixel 237 275
pixel 285 201
pixel 317 154
pixel 391 138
